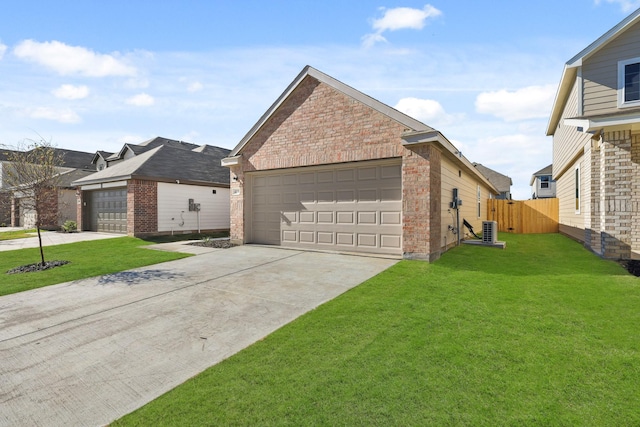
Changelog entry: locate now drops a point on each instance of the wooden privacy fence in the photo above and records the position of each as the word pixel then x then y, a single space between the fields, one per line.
pixel 524 216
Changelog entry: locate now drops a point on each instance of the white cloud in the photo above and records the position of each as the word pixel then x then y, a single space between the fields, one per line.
pixel 71 92
pixel 71 60
pixel 427 111
pixel 141 100
pixel 3 49
pixel 625 5
pixel 399 18
pixel 531 102
pixel 64 115
pixel 195 87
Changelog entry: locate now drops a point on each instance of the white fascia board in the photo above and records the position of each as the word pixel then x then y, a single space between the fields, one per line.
pixel 593 125
pixel 231 161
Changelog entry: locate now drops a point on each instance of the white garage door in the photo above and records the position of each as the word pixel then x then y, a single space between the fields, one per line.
pixel 355 207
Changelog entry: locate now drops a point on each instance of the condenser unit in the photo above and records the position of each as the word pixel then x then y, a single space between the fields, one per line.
pixel 489 232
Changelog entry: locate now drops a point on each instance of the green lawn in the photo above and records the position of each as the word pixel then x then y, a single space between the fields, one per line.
pixel 17 234
pixel 542 333
pixel 87 259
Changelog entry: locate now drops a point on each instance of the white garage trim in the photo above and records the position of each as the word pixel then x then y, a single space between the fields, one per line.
pixel 354 207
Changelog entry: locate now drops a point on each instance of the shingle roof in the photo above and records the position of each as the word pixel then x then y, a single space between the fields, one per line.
pixel 167 162
pixel 502 182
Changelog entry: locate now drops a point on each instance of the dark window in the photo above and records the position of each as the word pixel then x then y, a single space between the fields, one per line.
pixel 632 82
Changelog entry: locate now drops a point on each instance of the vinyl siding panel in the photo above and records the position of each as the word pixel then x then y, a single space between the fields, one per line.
pixel 173 208
pixel 567 140
pixel 467 187
pixel 600 73
pixel 572 223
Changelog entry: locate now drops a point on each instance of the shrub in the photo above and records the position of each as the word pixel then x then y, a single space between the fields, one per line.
pixel 70 226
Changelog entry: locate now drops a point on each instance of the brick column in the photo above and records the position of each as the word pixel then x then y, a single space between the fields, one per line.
pixel 421 188
pixel 142 207
pixel 79 209
pixel 593 233
pixel 238 193
pixel 617 209
pixel 635 193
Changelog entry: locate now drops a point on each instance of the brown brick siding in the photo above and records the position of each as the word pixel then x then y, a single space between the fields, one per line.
pixel 319 125
pixel 142 207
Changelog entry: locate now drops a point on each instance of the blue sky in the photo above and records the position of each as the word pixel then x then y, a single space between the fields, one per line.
pixel 92 75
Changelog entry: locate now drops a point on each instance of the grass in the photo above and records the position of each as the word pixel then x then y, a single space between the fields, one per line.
pixel 87 259
pixel 542 333
pixel 17 234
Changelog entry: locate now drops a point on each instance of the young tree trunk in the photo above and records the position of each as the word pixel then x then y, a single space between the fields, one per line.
pixel 40 241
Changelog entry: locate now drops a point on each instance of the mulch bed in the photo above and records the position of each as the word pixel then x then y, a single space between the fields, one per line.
pixel 30 268
pixel 220 244
pixel 632 266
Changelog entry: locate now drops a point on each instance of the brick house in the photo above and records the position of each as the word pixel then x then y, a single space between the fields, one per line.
pixel 330 168
pixel 595 124
pixel 160 186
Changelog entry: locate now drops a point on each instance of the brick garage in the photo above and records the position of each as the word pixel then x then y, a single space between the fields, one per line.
pixel 322 128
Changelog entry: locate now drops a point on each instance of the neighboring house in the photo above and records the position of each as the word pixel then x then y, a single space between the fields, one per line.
pixel 502 182
pixel 160 186
pixel 14 209
pixel 542 184
pixel 330 168
pixel 595 123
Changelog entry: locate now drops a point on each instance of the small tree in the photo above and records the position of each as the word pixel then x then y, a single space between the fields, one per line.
pixel 32 174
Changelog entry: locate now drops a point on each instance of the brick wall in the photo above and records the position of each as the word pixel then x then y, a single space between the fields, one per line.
pixel 319 125
pixel 79 209
pixel 142 207
pixel 616 198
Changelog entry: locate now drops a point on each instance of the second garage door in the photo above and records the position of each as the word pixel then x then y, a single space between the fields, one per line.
pixel 349 207
pixel 107 210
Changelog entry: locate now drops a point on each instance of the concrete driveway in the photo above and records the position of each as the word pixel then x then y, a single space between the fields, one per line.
pixel 87 352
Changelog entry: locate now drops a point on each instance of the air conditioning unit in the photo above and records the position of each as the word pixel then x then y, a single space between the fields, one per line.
pixel 489 232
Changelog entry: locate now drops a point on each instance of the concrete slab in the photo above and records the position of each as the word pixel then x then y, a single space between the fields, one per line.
pixel 87 352
pixel 50 238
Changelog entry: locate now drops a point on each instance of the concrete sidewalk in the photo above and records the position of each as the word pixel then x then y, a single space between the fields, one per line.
pixel 87 352
pixel 50 238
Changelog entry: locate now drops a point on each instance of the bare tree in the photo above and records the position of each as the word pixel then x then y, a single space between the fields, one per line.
pixel 31 173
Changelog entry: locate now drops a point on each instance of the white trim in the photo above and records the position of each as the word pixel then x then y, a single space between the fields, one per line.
pixel 593 125
pixel 580 83
pixel 230 161
pixel 621 83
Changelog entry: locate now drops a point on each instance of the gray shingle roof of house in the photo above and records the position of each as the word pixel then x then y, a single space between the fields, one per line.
pixel 168 163
pixel 547 170
pixel 502 182
pixel 76 159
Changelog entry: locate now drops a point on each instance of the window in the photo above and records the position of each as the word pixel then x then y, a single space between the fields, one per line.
pixel 629 82
pixel 544 181
pixel 577 186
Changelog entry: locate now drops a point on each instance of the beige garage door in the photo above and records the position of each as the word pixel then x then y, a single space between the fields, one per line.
pixel 355 207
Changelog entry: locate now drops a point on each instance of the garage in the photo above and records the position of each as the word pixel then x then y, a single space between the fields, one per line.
pixel 107 210
pixel 354 207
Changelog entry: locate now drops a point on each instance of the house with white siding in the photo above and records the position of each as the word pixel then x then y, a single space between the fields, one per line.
pixel 161 186
pixel 595 124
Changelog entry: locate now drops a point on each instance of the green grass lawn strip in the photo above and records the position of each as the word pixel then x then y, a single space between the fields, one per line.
pixel 17 234
pixel 542 333
pixel 87 259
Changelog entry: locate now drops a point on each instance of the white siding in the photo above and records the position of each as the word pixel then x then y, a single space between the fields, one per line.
pixel 173 207
pixel 467 186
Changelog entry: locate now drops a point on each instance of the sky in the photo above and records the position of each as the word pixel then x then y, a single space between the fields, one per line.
pixel 94 75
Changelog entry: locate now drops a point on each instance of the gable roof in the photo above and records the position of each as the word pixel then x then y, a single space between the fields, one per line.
pixel 150 144
pixel 70 158
pixel 166 163
pixel 570 71
pixel 308 71
pixel 547 170
pixel 502 182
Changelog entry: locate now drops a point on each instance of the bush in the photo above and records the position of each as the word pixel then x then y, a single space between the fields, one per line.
pixel 70 226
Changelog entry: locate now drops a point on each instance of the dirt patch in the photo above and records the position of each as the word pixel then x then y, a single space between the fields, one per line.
pixel 220 244
pixel 30 268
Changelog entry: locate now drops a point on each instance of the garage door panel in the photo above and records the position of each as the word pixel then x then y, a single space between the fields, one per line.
pixel 353 208
pixel 107 210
